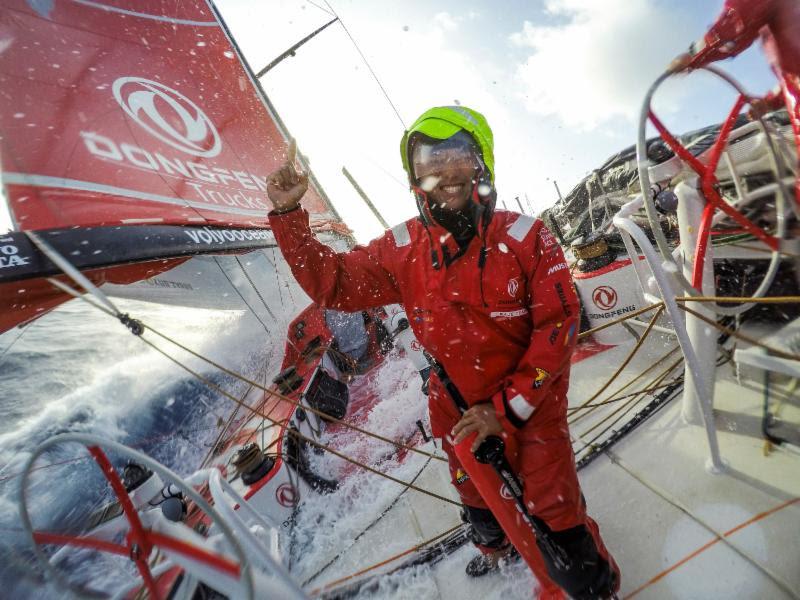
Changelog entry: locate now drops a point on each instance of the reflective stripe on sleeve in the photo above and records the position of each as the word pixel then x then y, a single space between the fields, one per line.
pixel 521 227
pixel 521 407
pixel 401 235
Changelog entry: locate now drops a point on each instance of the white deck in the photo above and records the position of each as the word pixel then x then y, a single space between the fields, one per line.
pixel 676 530
pixel 658 505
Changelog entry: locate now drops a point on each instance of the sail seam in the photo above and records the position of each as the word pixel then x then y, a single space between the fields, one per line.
pixel 89 186
pixel 141 15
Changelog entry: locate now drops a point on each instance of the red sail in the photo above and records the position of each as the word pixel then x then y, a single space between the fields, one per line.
pixel 130 112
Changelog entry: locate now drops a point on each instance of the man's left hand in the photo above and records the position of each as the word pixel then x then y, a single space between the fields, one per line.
pixel 480 418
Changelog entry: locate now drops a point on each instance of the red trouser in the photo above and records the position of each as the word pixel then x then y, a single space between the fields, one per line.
pixel 544 462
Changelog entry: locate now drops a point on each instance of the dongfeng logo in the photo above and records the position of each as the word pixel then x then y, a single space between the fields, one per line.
pixel 513 287
pixel 604 297
pixel 287 495
pixel 505 492
pixel 168 115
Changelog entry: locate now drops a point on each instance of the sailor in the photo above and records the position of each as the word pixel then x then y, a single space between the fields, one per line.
pixel 489 295
pixel 777 22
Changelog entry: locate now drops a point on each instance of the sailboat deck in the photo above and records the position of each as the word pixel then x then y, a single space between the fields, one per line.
pixel 676 529
pixel 681 531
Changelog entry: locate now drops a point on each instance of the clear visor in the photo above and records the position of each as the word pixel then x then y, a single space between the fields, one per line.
pixel 435 158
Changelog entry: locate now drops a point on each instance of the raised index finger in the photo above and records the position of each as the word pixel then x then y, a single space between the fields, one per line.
pixel 291 152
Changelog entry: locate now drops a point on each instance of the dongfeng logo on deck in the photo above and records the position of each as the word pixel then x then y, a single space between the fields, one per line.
pixel 604 297
pixel 287 495
pixel 168 115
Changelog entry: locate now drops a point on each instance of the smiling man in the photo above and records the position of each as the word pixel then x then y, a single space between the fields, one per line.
pixel 489 298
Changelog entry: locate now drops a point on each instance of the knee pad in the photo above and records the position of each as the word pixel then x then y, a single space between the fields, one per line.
pixel 484 528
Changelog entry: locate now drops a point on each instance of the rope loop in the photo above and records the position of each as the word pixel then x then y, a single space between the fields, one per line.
pixel 135 325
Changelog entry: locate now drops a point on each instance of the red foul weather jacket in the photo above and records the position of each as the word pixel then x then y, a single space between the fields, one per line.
pixel 778 24
pixel 504 331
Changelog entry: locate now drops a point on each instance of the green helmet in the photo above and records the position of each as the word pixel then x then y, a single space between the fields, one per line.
pixel 442 122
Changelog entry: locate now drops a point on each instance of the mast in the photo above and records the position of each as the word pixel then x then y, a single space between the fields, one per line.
pixel 365 198
pixel 291 51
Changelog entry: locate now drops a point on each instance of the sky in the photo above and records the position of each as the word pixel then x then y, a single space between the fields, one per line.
pixel 560 82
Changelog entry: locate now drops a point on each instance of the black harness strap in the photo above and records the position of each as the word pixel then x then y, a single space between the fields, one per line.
pixel 448 384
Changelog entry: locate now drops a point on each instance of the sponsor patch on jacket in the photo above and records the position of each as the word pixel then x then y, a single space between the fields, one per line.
pixel 505 314
pixel 421 315
pixel 554 333
pixel 461 476
pixel 562 298
pixel 548 239
pixel 513 287
pixel 570 333
pixel 541 375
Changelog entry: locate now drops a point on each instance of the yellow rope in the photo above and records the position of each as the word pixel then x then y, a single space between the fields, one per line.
pixel 629 405
pixel 647 390
pixel 377 565
pixel 635 313
pixel 633 380
pixel 774 351
pixel 627 360
pixel 79 295
pixel 299 435
pixel 294 402
pixel 740 299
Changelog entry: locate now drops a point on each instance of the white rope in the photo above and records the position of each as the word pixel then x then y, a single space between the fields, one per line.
pixel 73 273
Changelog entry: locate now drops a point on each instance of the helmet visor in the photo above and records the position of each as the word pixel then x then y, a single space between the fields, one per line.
pixel 434 157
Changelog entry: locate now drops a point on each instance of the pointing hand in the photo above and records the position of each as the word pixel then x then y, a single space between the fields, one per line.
pixel 286 186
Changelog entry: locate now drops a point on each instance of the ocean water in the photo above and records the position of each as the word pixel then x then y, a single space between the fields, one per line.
pixel 79 370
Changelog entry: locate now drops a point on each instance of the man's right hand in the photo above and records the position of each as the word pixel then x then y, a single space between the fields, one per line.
pixel 286 186
pixel 680 63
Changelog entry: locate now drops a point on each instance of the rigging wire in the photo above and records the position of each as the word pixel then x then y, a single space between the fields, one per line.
pixel 718 537
pixel 384 562
pixel 238 291
pixel 138 328
pixel 301 436
pixel 613 398
pixel 325 10
pixel 374 522
pixel 627 360
pixel 255 289
pixel 22 331
pixel 293 49
pixel 366 62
